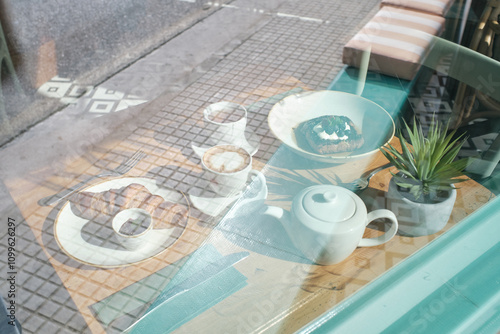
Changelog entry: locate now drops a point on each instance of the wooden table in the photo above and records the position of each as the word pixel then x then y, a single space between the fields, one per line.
pixel 281 295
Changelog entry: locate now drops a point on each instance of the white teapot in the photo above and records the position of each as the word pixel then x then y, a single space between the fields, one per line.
pixel 327 223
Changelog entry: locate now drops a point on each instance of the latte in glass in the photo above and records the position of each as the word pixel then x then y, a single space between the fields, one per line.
pixel 227 168
pixel 226 159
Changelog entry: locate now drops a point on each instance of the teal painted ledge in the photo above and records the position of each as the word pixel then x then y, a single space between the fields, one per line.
pixel 388 92
pixel 450 286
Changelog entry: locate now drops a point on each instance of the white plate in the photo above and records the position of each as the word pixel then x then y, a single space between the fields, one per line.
pixel 92 243
pixel 377 126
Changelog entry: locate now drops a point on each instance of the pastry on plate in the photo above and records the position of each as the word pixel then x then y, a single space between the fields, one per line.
pixel 89 205
pixel 330 134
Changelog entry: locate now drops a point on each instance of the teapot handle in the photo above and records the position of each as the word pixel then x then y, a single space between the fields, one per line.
pixel 276 212
pixel 376 214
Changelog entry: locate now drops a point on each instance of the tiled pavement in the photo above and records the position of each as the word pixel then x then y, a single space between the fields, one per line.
pixel 278 40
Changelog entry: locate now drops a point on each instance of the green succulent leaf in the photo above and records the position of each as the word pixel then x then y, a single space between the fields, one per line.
pixel 409 158
pixel 428 160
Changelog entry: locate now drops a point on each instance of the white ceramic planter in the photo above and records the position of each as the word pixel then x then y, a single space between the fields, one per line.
pixel 419 219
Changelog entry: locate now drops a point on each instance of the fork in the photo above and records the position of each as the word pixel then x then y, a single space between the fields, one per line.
pixel 361 184
pixel 120 170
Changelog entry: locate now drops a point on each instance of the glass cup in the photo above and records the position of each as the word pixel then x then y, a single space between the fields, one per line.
pixel 227 122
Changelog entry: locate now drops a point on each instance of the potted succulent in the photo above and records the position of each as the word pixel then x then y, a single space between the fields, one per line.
pixel 422 192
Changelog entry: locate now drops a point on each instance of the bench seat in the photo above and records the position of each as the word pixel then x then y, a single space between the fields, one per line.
pixel 399 40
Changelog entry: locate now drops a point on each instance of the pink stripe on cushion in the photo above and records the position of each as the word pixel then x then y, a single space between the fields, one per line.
pixel 431 24
pixel 435 7
pixel 406 34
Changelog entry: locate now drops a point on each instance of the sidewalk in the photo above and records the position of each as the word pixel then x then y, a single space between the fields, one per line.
pixel 257 41
pixel 303 40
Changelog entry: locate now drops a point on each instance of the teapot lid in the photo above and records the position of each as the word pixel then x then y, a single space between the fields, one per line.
pixel 329 203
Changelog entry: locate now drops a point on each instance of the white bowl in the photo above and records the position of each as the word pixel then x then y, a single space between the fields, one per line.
pixel 376 125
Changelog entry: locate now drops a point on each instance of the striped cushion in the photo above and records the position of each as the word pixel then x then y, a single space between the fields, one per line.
pixel 437 7
pixel 399 39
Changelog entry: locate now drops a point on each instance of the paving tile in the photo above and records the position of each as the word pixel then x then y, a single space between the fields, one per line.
pixel 33 324
pixel 34 303
pixel 52 327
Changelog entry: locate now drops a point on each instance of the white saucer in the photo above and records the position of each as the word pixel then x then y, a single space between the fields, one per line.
pixel 68 230
pixel 213 206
